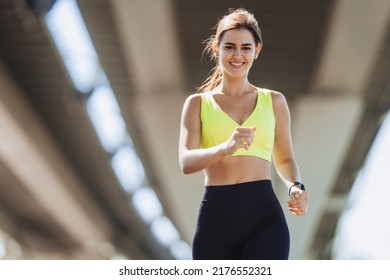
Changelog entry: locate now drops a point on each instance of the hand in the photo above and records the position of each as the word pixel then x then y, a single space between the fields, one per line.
pixel 242 137
pixel 299 203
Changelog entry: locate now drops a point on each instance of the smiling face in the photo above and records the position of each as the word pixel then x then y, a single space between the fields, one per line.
pixel 236 52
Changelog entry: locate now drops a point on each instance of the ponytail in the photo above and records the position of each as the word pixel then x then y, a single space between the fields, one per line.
pixel 212 81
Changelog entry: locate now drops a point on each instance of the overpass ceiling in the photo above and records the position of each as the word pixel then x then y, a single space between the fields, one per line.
pixel 293 34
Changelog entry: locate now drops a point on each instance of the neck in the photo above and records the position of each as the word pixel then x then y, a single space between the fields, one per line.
pixel 235 86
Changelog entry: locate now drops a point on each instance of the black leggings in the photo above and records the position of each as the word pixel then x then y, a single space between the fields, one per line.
pixel 241 221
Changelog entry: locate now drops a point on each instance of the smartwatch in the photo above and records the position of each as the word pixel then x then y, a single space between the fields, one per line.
pixel 296 184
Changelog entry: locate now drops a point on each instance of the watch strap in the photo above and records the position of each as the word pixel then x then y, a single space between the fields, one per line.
pixel 298 185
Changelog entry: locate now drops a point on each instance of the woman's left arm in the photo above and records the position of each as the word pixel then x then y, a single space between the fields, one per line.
pixel 283 155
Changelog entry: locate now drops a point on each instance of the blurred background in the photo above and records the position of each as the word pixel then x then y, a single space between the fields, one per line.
pixel 91 93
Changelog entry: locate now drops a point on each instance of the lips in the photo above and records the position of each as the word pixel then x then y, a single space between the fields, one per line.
pixel 237 64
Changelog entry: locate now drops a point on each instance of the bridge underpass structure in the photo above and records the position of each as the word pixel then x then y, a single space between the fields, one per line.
pixel 59 195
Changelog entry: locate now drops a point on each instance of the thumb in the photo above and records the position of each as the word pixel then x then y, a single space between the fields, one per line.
pixel 253 128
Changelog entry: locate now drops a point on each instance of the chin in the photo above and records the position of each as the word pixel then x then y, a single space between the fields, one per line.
pixel 237 75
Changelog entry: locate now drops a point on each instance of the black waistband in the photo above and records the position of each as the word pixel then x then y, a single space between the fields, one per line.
pixel 246 189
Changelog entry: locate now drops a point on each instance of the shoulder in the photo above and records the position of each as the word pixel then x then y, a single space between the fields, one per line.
pixel 276 96
pixel 278 99
pixel 193 102
pixel 280 106
pixel 194 98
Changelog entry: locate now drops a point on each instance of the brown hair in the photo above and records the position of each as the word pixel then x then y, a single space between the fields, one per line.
pixel 234 19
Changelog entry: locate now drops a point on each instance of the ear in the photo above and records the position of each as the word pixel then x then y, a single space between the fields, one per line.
pixel 258 50
pixel 215 48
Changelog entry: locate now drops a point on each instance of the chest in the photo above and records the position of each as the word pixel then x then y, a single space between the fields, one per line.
pixel 239 109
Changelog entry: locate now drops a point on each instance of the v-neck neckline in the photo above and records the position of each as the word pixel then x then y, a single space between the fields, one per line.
pixel 229 117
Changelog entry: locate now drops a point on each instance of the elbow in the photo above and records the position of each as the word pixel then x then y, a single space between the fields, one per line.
pixel 186 169
pixel 187 164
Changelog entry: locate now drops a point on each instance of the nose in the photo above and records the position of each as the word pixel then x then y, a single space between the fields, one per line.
pixel 237 52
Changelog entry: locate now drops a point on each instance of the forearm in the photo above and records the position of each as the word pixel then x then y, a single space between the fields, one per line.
pixel 288 171
pixel 195 160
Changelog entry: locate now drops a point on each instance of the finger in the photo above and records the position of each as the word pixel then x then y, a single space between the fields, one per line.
pixel 297 204
pixel 239 138
pixel 300 206
pixel 242 139
pixel 299 195
pixel 295 194
pixel 299 214
pixel 297 208
pixel 297 201
pixel 244 144
pixel 246 134
pixel 297 211
pixel 247 140
pixel 244 130
pixel 241 143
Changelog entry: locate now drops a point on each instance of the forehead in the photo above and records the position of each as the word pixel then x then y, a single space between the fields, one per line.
pixel 238 36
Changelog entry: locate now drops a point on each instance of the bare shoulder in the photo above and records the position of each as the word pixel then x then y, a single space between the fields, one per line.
pixel 279 104
pixel 193 100
pixel 278 99
pixel 192 104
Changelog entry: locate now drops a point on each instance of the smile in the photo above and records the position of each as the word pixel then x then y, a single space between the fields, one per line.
pixel 237 64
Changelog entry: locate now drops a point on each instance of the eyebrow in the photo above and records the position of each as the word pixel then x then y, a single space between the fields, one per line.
pixel 232 44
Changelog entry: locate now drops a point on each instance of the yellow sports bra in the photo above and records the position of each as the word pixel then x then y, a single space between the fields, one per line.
pixel 217 126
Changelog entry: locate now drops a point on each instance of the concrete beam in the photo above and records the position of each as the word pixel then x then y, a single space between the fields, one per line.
pixel 148 37
pixel 151 48
pixel 31 154
pixel 325 121
pixel 356 30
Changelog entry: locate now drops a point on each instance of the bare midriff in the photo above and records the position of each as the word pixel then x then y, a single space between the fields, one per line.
pixel 237 169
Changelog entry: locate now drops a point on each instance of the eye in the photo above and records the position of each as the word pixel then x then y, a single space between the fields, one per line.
pixel 229 47
pixel 247 48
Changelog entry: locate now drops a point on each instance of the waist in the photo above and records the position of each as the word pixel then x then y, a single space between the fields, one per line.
pixel 237 169
pixel 240 190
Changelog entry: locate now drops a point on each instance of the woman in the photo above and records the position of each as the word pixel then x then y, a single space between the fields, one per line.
pixel 231 130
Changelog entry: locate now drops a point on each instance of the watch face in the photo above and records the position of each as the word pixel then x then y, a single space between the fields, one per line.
pixel 299 185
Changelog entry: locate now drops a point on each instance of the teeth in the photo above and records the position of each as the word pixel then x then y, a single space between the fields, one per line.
pixel 237 64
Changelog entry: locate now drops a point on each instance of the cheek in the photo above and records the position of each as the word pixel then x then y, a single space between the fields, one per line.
pixel 224 54
pixel 251 55
pixel 223 57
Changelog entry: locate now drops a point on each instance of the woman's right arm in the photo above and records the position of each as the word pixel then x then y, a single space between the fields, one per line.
pixel 191 158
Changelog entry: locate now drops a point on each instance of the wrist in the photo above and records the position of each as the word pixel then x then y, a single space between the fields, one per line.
pixel 297 185
pixel 224 149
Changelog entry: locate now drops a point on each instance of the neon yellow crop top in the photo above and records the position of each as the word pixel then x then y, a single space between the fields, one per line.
pixel 217 126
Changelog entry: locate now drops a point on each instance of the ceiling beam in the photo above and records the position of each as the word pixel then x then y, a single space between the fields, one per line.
pixel 33 157
pixel 355 34
pixel 148 37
